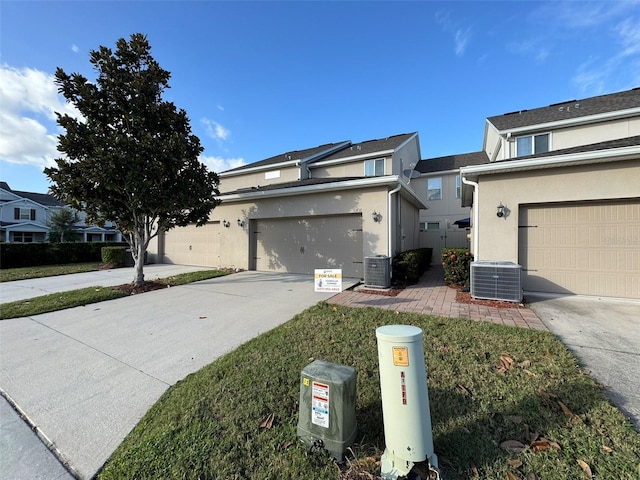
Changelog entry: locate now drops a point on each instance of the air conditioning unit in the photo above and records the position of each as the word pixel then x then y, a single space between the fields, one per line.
pixel 493 280
pixel 377 271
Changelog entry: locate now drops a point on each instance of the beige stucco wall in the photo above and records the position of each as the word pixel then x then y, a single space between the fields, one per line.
pixel 445 211
pixel 348 169
pixel 253 179
pixel 499 236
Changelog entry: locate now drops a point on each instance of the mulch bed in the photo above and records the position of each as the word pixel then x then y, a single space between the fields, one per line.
pixel 131 289
pixel 465 297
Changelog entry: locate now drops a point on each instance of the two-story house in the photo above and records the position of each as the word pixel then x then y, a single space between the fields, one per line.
pixel 560 195
pixel 25 217
pixel 324 207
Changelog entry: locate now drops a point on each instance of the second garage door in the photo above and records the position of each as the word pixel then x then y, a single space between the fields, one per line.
pixel 582 248
pixel 193 245
pixel 301 245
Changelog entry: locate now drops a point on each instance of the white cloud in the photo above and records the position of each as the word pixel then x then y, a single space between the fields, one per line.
pixel 75 48
pixel 28 102
pixel 215 130
pixel 219 164
pixel 221 108
pixel 629 35
pixel 461 35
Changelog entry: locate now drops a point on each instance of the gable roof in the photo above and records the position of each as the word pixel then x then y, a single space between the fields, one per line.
pixel 291 157
pixel 43 199
pixel 451 162
pixel 568 110
pixel 369 147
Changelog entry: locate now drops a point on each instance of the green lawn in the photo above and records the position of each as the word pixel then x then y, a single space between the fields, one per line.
pixel 12 274
pixel 86 296
pixel 488 384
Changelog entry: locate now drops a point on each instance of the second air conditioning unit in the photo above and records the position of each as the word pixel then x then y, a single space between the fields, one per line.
pixel 496 280
pixel 377 272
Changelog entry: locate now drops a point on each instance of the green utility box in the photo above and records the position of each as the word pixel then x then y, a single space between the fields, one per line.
pixel 327 414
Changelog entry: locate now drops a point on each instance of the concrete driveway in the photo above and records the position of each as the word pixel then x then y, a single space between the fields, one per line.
pixel 85 376
pixel 605 336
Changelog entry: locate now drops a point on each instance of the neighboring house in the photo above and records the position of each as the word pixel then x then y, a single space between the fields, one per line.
pixel 324 207
pixel 446 223
pixel 25 217
pixel 560 195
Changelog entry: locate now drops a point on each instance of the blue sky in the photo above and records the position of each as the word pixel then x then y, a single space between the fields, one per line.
pixel 262 78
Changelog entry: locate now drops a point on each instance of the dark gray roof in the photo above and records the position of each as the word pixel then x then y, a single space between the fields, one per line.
pixel 288 157
pixel 298 183
pixel 568 110
pixel 451 162
pixel 370 147
pixel 593 147
pixel 41 198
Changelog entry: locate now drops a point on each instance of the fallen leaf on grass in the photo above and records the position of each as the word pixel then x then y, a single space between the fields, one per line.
pixel 525 364
pixel 465 390
pixel 540 445
pixel 532 476
pixel 507 361
pixel 566 411
pixel 474 469
pixel 511 476
pixel 512 446
pixel 607 449
pixel 286 445
pixel 515 463
pixel 530 436
pixel 530 373
pixel 267 422
pixel 585 467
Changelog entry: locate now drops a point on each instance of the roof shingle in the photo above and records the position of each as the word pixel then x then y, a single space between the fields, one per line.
pixel 451 162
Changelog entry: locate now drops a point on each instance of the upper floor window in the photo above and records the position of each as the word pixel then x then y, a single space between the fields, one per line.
pixel 532 144
pixel 434 188
pixel 24 214
pixel 457 186
pixel 374 168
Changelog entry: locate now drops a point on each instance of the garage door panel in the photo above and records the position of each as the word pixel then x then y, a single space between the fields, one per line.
pixel 193 245
pixel 300 245
pixel 583 248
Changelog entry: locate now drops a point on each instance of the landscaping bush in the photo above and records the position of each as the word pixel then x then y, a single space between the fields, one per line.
pixel 113 255
pixel 16 255
pixel 409 266
pixel 457 266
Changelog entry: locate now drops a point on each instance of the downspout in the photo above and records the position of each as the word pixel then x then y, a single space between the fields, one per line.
pixel 395 190
pixel 476 193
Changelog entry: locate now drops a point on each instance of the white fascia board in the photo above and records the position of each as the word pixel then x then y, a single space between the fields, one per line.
pixel 594 156
pixel 569 122
pixel 25 200
pixel 288 163
pixel 353 158
pixel 389 180
pixel 27 227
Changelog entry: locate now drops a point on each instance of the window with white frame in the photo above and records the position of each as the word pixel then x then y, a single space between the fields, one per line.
pixel 23 237
pixel 457 186
pixel 424 226
pixel 532 144
pixel 374 168
pixel 434 188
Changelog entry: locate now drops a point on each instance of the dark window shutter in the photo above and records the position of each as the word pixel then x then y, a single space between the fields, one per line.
pixel 33 214
pixel 16 214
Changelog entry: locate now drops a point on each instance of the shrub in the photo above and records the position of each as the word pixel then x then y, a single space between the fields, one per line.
pixel 457 266
pixel 113 255
pixel 409 266
pixel 16 255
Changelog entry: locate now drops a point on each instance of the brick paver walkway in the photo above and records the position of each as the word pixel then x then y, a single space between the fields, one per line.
pixel 431 296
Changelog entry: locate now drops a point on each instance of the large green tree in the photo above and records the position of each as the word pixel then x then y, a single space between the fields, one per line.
pixel 62 225
pixel 131 158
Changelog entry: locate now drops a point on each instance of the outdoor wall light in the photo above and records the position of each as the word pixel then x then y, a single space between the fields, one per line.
pixel 226 224
pixel 377 217
pixel 501 210
pixel 240 223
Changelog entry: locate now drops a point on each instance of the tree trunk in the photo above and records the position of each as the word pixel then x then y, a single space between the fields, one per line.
pixel 138 250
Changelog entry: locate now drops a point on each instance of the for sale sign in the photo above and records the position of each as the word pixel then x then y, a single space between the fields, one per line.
pixel 328 280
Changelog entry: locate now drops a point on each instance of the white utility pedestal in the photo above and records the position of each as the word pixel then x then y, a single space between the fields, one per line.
pixel 405 401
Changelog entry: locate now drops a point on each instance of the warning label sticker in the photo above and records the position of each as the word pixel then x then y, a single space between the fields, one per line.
pixel 320 404
pixel 401 356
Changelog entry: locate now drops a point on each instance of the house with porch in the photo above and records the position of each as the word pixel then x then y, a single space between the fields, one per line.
pixel 25 217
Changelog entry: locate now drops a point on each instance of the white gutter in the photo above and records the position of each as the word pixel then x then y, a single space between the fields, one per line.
pixel 395 190
pixel 574 121
pixel 476 195
pixel 608 155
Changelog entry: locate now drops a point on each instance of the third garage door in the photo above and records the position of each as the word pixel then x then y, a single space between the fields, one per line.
pixel 300 245
pixel 582 248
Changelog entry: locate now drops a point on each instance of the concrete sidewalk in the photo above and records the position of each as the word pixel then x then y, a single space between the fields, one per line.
pixel 24 289
pixel 85 376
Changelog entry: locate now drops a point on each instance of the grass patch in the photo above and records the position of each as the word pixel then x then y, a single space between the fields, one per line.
pixel 207 425
pixel 12 274
pixel 86 296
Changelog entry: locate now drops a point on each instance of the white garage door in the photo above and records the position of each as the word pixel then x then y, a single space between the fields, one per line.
pixel 585 248
pixel 300 245
pixel 193 245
